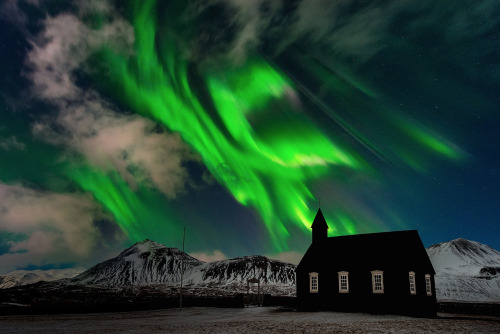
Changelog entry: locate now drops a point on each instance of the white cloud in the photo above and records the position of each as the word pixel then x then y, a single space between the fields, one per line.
pixel 62 47
pixel 85 123
pixel 128 144
pixel 58 227
pixel 209 256
pixel 290 257
pixel 65 227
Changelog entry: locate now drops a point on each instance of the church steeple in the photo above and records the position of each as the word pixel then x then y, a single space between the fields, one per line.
pixel 319 228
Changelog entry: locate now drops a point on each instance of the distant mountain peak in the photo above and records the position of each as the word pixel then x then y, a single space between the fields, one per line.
pixel 148 246
pixel 148 262
pixel 461 242
pixel 462 256
pixel 253 257
pixel 144 262
pixel 149 243
pixel 466 270
pixel 472 252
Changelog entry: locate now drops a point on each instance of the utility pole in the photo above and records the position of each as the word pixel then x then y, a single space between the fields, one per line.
pixel 182 266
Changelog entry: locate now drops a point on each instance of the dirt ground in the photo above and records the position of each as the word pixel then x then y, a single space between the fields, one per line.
pixel 244 320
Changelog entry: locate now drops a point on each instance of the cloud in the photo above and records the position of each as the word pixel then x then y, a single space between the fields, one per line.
pixel 229 30
pixel 85 123
pixel 245 28
pixel 131 145
pixel 11 142
pixel 289 257
pixel 6 239
pixel 347 29
pixel 70 227
pixel 39 225
pixel 253 21
pixel 209 256
pixel 10 11
pixel 62 47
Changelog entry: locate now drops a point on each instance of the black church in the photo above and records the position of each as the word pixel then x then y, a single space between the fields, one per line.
pixel 386 272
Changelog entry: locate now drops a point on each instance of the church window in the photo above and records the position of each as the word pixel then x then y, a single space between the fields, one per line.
pixel 428 288
pixel 378 281
pixel 412 283
pixel 313 282
pixel 343 282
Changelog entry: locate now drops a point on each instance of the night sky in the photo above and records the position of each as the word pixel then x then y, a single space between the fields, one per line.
pixel 127 120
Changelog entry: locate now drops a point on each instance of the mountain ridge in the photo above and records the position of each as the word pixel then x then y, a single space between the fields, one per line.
pixel 25 277
pixel 149 262
pixel 466 271
pixel 142 263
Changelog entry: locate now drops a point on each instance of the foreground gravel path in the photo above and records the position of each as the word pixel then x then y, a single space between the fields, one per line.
pixel 247 320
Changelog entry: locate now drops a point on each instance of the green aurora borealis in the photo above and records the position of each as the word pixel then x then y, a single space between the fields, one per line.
pixel 270 134
pixel 265 166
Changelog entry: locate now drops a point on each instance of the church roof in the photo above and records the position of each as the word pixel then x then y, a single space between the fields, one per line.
pixel 319 220
pixel 378 250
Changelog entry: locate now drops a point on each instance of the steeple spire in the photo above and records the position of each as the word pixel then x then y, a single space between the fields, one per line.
pixel 319 228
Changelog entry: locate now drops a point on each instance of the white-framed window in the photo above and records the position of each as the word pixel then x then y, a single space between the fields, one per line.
pixel 378 281
pixel 313 282
pixel 428 288
pixel 343 282
pixel 413 289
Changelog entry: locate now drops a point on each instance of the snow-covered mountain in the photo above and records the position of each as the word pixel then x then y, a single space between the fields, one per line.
pixel 148 262
pixel 463 257
pixel 23 277
pixel 466 271
pixel 143 263
pixel 241 269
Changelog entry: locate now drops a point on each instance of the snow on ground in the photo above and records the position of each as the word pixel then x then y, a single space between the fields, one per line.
pixel 242 320
pixel 467 288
